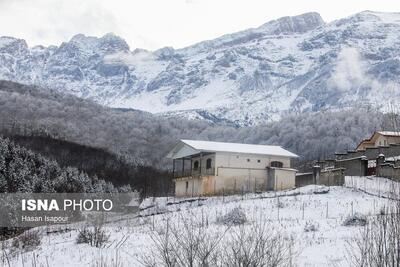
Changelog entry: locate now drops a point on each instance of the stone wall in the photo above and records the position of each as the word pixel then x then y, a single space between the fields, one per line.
pixel 371 153
pixel 387 169
pixel 303 179
pixel 328 177
pixel 332 177
pixel 353 166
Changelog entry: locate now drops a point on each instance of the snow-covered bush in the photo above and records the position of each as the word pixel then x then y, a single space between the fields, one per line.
pixel 234 217
pixel 311 227
pixel 355 220
pixel 29 240
pixel 95 236
pixel 186 243
pixel 258 245
pixel 189 243
pixel 280 204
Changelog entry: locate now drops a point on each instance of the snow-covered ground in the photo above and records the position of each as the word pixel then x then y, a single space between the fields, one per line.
pixel 130 236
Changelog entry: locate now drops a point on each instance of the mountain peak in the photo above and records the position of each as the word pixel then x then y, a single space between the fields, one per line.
pixel 108 43
pixel 294 24
pixel 12 45
pixel 372 16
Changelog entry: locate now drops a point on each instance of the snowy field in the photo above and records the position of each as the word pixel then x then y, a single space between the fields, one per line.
pixel 287 212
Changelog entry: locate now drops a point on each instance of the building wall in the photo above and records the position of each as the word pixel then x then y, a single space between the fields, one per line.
pixel 248 172
pixel 380 140
pixel 303 179
pixel 364 145
pixel 188 187
pixel 284 179
pixel 389 171
pixel 235 173
pixel 248 160
pixel 329 177
pixel 387 140
pixel 332 177
pixel 203 161
pixel 241 180
pixel 354 166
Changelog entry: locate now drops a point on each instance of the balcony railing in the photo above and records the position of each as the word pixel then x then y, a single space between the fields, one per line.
pixel 194 172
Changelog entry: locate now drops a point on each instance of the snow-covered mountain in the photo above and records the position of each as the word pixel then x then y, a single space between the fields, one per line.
pixel 289 65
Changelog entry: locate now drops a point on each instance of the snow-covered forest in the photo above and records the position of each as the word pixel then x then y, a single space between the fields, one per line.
pixel 22 170
pixel 143 138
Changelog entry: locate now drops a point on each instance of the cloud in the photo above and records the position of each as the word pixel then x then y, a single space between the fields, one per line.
pixel 129 58
pixel 349 71
pixel 51 22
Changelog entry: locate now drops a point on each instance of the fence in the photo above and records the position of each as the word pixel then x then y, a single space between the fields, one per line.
pixel 371 152
pixel 310 203
pixel 354 166
pixel 328 177
pixel 376 186
pixel 194 172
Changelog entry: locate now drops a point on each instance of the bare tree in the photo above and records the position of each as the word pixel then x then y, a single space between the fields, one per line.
pixel 185 244
pixel 256 246
pixel 378 244
pixel 193 244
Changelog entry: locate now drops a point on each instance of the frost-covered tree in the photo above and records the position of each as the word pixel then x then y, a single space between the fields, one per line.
pixel 22 170
pixel 144 139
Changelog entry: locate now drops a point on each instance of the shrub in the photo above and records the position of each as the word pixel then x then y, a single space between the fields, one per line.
pixel 355 220
pixel 378 243
pixel 189 243
pixel 94 236
pixel 27 241
pixel 311 227
pixel 257 246
pixel 234 217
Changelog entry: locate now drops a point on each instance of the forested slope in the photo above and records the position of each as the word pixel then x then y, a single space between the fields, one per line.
pixel 144 139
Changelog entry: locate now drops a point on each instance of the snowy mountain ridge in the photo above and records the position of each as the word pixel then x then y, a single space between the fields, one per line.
pixel 289 65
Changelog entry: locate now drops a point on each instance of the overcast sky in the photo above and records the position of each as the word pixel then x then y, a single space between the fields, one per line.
pixel 152 24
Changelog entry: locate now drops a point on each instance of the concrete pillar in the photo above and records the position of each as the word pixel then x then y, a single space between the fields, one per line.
pixel 379 160
pixel 316 174
pixel 270 183
pixel 173 168
pixel 364 166
pixel 183 167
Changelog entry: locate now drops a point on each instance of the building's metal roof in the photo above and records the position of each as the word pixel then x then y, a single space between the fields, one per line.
pixel 196 146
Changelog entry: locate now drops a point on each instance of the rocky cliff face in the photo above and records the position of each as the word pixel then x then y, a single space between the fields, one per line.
pixel 289 65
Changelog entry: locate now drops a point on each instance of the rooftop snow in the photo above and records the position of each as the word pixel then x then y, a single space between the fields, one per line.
pixel 388 133
pixel 207 146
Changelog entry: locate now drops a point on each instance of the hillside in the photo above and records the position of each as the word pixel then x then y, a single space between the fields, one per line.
pixel 98 162
pixel 311 221
pixel 144 139
pixel 22 170
pixel 287 66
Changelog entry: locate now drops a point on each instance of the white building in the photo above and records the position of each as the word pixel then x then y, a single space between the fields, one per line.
pixel 207 168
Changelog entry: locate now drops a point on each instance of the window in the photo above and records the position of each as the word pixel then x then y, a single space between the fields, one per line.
pixel 258 161
pixel 208 164
pixel 248 160
pixel 196 165
pixel 187 185
pixel 276 164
